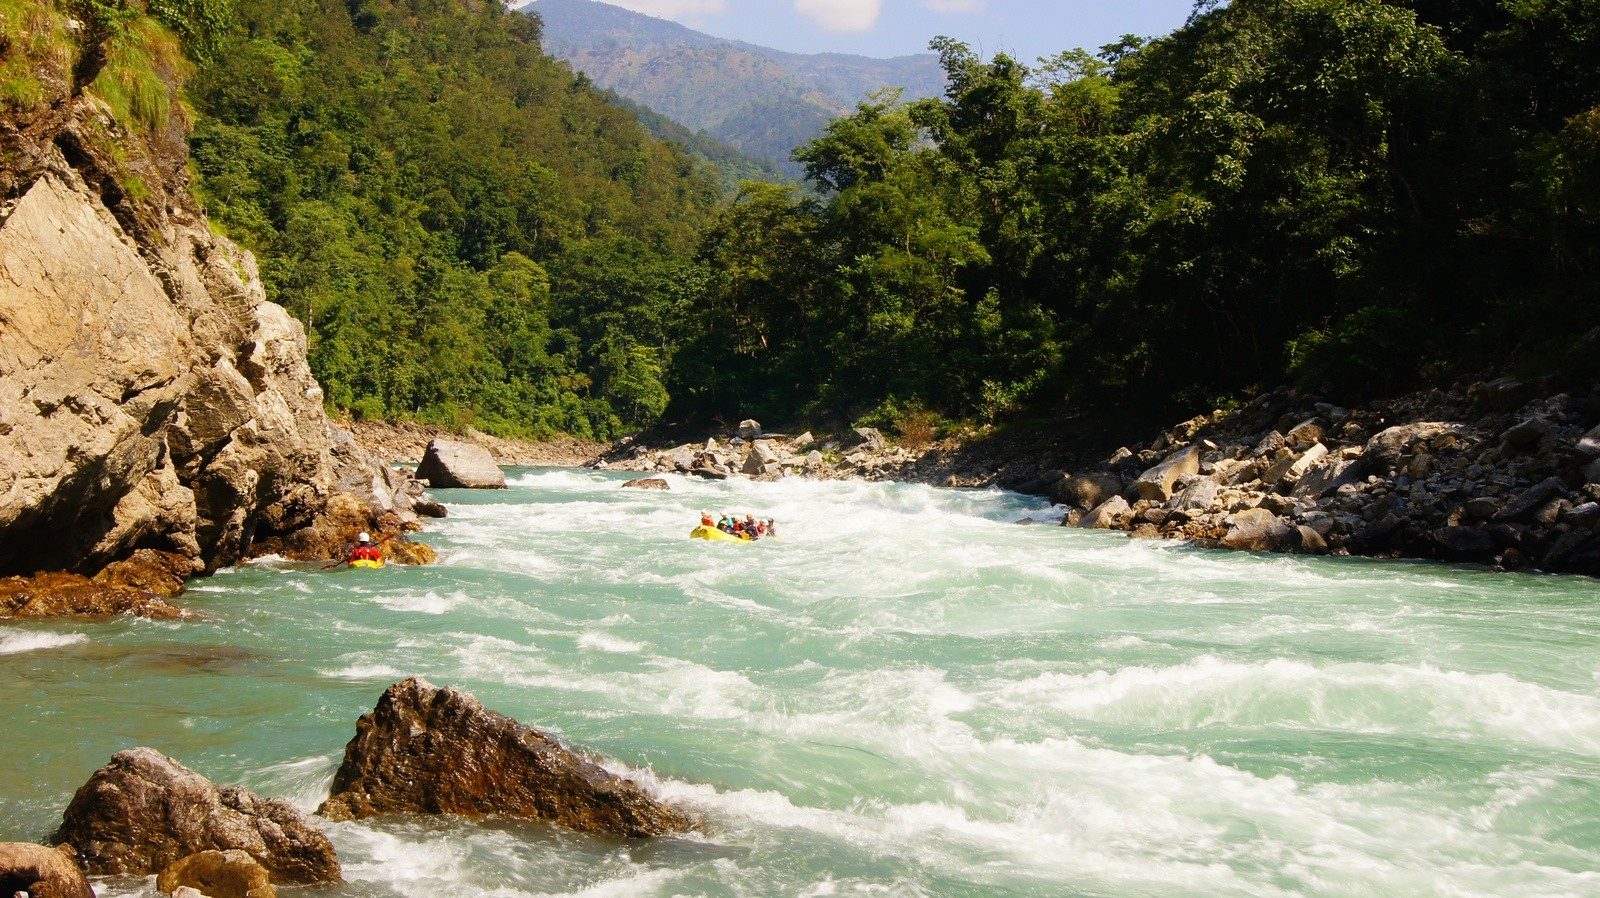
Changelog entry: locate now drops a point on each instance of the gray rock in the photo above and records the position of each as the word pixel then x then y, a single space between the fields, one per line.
pixel 865 437
pixel 1464 543
pixel 1531 435
pixel 1198 496
pixel 749 429
pixel 453 464
pixel 803 440
pixel 1111 514
pixel 763 459
pixel 814 460
pixel 1258 530
pixel 1482 508
pixel 1269 445
pixel 1390 449
pixel 647 483
pixel 143 812
pixel 1311 540
pixel 1529 501
pixel 683 457
pixel 1326 476
pixel 1589 443
pixel 1156 483
pixel 1085 490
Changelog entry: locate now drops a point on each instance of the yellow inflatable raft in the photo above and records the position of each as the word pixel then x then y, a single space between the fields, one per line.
pixel 366 563
pixel 714 535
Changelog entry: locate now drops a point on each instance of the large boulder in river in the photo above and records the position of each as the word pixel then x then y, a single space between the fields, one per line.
pixel 143 812
pixel 71 595
pixel 219 874
pixel 454 464
pixel 439 751
pixel 40 872
pixel 1156 483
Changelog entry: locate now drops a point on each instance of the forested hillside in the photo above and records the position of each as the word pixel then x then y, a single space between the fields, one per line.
pixel 472 234
pixel 1359 196
pixel 763 101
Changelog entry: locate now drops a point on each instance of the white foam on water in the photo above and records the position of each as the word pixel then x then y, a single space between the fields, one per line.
pixel 605 642
pixel 429 602
pixel 15 642
pixel 1368 698
pixel 363 672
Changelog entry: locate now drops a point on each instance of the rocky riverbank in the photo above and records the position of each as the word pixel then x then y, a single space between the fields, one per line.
pixel 1504 473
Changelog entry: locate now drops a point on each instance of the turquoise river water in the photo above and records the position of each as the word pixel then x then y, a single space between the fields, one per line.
pixel 906 695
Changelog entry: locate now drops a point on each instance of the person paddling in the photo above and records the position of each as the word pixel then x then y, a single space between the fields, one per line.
pixel 364 550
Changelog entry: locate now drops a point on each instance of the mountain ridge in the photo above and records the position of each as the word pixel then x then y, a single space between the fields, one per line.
pixel 761 100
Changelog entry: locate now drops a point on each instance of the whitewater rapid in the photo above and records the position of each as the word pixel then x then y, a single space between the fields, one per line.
pixel 907 694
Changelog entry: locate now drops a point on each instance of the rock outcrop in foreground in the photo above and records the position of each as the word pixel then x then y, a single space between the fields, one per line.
pixel 40 872
pixel 144 812
pixel 438 751
pixel 151 398
pixel 218 874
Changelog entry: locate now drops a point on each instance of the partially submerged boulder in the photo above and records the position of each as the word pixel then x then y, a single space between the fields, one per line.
pixel 1108 515
pixel 40 872
pixel 647 483
pixel 219 874
pixel 454 464
pixel 439 751
pixel 69 595
pixel 143 812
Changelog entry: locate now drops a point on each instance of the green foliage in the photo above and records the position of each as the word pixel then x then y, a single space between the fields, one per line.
pixel 1356 194
pixel 143 73
pixel 34 42
pixel 470 234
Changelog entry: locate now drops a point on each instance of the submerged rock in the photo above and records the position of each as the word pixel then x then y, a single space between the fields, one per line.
pixel 69 595
pixel 647 483
pixel 40 872
pixel 439 751
pixel 218 874
pixel 143 812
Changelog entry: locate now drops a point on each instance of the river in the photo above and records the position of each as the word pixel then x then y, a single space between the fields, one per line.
pixel 907 694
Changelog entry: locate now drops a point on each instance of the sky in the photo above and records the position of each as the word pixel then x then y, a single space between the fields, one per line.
pixel 1027 29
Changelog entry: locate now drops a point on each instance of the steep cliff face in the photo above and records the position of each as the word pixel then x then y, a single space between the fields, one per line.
pixel 150 396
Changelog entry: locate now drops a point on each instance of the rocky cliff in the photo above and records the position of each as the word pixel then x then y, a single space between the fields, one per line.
pixel 150 396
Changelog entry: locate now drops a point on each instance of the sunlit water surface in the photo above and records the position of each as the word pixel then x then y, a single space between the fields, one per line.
pixel 906 695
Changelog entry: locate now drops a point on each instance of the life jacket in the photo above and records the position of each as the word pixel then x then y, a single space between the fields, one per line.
pixel 705 520
pixel 366 553
pixel 761 529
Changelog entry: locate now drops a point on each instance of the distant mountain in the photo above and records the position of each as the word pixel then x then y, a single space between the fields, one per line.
pixel 763 101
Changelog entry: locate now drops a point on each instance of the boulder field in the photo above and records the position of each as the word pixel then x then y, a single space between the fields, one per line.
pixel 158 418
pixel 1502 472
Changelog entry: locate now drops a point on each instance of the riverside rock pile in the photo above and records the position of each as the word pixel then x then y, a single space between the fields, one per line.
pixel 1486 475
pixel 753 453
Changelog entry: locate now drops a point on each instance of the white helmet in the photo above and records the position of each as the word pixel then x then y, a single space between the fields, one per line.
pixel 364 537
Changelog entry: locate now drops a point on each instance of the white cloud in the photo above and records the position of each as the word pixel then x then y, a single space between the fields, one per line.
pixel 842 15
pixel 955 5
pixel 673 9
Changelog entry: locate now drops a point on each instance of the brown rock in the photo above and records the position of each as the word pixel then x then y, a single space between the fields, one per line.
pixel 1156 483
pixel 404 551
pixel 1391 449
pixel 453 464
pixel 1111 514
pixel 1530 501
pixel 1258 530
pixel 219 874
pixel 431 750
pixel 647 483
pixel 158 573
pixel 40 872
pixel 1304 435
pixel 143 812
pixel 69 595
pixel 1085 490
